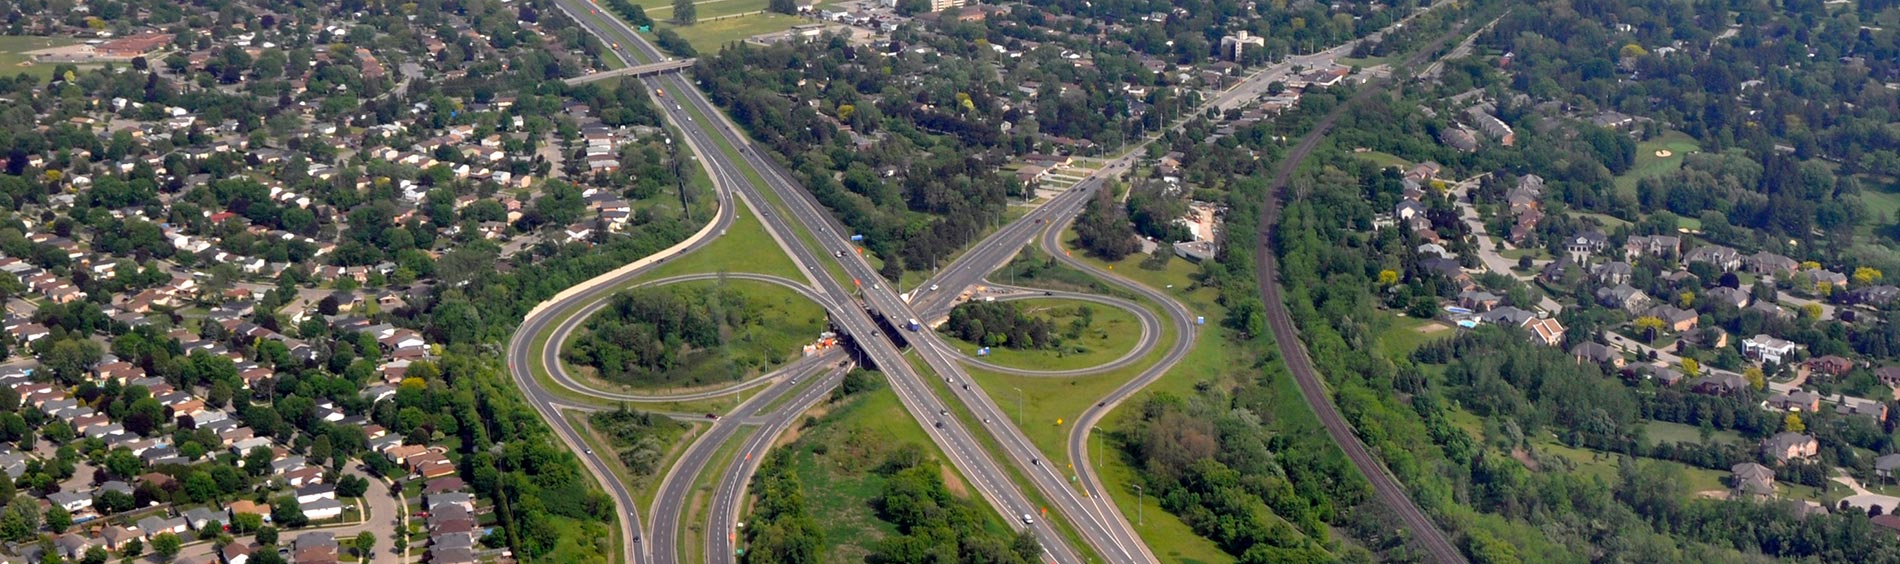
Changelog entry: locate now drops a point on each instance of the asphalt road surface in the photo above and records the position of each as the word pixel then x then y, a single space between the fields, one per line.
pixel 729 495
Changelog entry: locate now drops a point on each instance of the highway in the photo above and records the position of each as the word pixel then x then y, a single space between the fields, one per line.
pixel 959 445
pixel 730 494
pixel 676 489
pixel 1385 486
pixel 1095 519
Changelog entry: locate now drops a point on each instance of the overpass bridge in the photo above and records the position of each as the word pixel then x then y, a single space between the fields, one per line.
pixel 637 71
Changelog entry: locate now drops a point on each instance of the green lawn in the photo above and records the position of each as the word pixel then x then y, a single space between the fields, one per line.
pixel 1402 335
pixel 1111 333
pixel 1649 165
pixel 709 37
pixel 14 60
pixel 786 322
pixel 1882 200
pixel 1384 159
pixel 745 247
pixel 1661 432
pixel 662 10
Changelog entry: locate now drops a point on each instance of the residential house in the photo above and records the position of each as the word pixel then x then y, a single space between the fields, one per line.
pixel 1797 401
pixel 1753 480
pixel 1582 245
pixel 1889 375
pixel 1624 297
pixel 1674 318
pixel 1771 264
pixel 1786 447
pixel 1617 272
pixel 1663 246
pixel 1546 330
pixel 1723 258
pixel 1850 405
pixel 1718 383
pixel 1478 300
pixel 1768 349
pixel 1724 295
pixel 1876 296
pixel 1596 353
pixel 1830 365
pixel 1886 465
pixel 322 509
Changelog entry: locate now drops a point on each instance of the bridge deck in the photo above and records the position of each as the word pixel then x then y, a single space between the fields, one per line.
pixel 639 70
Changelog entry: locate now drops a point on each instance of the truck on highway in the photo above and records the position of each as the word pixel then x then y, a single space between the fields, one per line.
pixel 914 326
pixel 660 92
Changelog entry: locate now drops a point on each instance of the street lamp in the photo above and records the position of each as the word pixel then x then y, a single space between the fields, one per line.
pixel 1019 405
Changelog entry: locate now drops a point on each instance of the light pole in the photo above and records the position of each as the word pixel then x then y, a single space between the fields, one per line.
pixel 1019 406
pixel 1140 514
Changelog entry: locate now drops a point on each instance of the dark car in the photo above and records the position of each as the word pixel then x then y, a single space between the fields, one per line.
pixel 712 416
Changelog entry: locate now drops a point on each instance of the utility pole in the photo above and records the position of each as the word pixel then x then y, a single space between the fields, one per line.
pixel 1019 406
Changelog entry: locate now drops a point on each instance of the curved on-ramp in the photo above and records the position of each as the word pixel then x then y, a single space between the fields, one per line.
pixel 1150 333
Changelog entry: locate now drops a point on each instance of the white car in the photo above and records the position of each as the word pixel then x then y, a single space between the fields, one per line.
pixel 1027 520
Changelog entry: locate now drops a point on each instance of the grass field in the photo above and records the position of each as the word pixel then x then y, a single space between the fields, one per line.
pixel 662 10
pixel 787 321
pixel 709 37
pixel 1111 333
pixel 1402 335
pixel 1660 432
pixel 582 541
pixel 745 247
pixel 14 60
pixel 643 488
pixel 1649 165
pixel 1882 200
pixel 1382 158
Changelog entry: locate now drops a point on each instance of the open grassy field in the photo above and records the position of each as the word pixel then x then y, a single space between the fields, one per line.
pixel 784 322
pixel 1402 335
pixel 1111 332
pixel 1382 158
pixel 745 247
pixel 662 10
pixel 1660 432
pixel 709 37
pixel 14 60
pixel 1648 164
pixel 1881 197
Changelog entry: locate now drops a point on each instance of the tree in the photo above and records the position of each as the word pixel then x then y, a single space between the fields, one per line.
pixel 58 519
pixel 1103 228
pixel 1792 423
pixel 1388 277
pixel 133 548
pixel 684 12
pixel 782 6
pixel 365 544
pixel 266 534
pixel 1691 368
pixel 1755 377
pixel 166 545
pixel 1867 275
pixel 1649 325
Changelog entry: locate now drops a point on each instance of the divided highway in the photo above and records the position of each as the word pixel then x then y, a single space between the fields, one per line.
pixel 963 450
pixel 1094 517
pixel 730 494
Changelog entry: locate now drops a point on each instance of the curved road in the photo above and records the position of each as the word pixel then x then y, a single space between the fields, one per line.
pixel 1150 332
pixel 730 493
pixel 1385 486
pixel 551 355
pixel 676 489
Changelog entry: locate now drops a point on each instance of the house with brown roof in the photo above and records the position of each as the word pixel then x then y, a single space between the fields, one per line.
pixel 1785 447
pixel 1830 365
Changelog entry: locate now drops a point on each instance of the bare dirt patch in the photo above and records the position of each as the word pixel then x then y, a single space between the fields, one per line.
pixel 953 482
